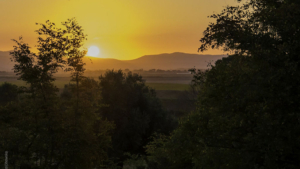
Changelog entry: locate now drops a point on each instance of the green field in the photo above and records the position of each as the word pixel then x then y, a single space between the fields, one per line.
pixel 169 86
pixel 15 82
pixel 60 82
pixel 173 96
pixel 157 81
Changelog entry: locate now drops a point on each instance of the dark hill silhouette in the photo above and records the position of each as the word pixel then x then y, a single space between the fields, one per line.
pixel 175 60
pixel 93 63
pixel 161 61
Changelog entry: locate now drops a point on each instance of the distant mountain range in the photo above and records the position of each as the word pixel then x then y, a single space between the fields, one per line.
pixel 161 61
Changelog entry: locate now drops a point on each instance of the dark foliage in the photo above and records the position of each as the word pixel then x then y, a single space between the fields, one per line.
pixel 248 105
pixel 134 109
pixel 8 93
pixel 41 130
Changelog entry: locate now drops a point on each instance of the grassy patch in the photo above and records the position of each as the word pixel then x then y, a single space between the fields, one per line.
pixel 15 82
pixel 57 83
pixel 169 86
pixel 60 82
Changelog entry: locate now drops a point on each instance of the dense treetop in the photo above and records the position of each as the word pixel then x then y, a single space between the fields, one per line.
pixel 248 113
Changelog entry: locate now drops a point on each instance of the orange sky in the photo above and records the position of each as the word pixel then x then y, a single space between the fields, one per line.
pixel 122 29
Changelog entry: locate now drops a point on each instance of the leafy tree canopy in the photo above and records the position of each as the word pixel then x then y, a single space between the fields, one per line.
pixel 42 130
pixel 135 110
pixel 247 112
pixel 57 48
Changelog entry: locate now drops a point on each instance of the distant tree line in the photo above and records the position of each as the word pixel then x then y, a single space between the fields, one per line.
pixel 142 71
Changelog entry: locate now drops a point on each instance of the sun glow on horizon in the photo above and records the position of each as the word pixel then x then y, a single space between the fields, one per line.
pixel 122 30
pixel 93 51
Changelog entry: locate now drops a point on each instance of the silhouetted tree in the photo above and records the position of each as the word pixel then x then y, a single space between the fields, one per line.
pixel 135 110
pixel 248 113
pixel 39 129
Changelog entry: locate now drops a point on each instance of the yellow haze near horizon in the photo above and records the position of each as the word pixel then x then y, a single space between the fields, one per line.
pixel 123 29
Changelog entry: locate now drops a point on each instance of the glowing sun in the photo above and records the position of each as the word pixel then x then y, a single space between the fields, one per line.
pixel 93 51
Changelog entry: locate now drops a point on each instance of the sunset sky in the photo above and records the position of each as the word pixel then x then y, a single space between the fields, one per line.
pixel 121 29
